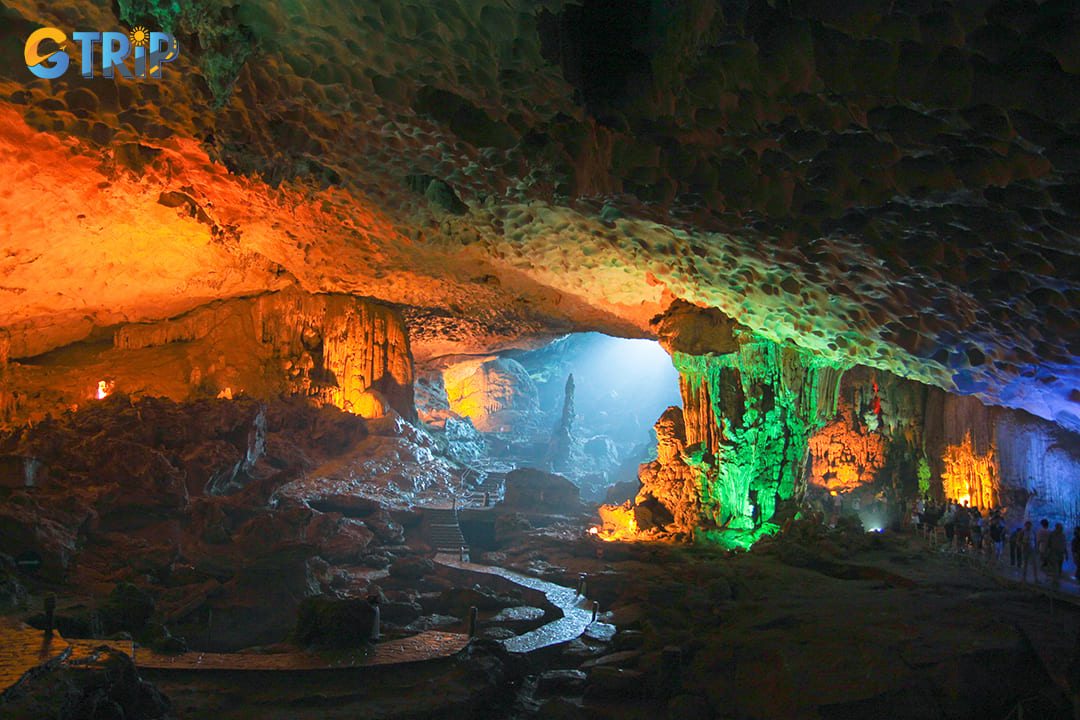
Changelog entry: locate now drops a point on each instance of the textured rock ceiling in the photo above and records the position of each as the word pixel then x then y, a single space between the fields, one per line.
pixel 893 183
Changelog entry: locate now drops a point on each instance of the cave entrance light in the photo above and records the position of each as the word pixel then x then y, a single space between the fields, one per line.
pixel 593 431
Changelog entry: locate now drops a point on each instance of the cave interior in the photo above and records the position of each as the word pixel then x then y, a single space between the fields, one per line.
pixel 668 280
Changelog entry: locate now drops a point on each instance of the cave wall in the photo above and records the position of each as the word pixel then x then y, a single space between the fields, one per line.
pixel 875 439
pixel 767 423
pixel 890 183
pixel 496 393
pixel 333 349
pixel 904 437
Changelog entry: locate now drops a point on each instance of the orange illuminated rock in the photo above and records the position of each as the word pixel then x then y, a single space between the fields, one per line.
pixel 334 349
pixel 844 457
pixel 495 393
pixel 972 477
pixel 669 501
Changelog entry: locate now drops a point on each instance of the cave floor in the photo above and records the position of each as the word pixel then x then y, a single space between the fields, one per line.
pixel 822 626
pixel 874 626
pixel 825 624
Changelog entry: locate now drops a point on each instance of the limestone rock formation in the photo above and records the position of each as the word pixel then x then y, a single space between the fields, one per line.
pixel 333 349
pixel 752 412
pixel 845 455
pixel 670 493
pixel 561 446
pixel 495 393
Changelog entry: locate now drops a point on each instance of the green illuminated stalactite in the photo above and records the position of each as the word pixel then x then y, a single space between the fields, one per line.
pixel 765 401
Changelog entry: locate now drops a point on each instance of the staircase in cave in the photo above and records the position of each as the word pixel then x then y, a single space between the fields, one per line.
pixel 444 533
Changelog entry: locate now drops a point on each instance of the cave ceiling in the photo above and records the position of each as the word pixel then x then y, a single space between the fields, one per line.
pixel 893 184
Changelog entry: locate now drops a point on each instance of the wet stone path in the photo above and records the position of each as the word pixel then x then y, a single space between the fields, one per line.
pixel 23 647
pixel 416 648
pixel 576 609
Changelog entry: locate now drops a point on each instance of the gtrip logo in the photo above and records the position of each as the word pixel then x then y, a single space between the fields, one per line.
pixel 46 54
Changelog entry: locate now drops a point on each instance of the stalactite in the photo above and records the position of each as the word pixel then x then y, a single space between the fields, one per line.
pixel 764 401
pixel 970 476
pixel 340 350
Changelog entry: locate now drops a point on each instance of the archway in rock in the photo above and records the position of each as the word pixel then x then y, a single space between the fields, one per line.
pixel 582 406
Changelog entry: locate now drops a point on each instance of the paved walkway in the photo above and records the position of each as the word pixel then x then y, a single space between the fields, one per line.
pixel 1067 589
pixel 23 647
pixel 576 609
pixel 428 645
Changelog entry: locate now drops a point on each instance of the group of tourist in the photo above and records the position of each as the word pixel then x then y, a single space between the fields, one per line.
pixel 1043 548
pixel 970 529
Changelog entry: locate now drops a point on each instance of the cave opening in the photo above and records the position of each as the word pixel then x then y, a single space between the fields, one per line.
pixel 582 406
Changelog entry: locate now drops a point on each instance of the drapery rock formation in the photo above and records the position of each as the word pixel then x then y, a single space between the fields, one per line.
pixel 495 393
pixel 333 349
pixel 905 439
pixel 750 415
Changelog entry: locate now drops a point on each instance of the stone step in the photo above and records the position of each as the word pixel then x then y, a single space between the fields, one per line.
pixel 443 530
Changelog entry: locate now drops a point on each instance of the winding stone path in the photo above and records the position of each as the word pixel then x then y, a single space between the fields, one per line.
pixel 576 609
pixel 22 647
pixel 428 645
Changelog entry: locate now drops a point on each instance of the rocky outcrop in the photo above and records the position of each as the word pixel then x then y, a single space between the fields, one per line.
pixel 339 350
pixel 105 685
pixel 534 491
pixel 497 394
pixel 134 504
pixel 331 349
pixel 670 496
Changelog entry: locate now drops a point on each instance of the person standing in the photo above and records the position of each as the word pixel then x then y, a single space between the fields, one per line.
pixel 1015 547
pixel 997 538
pixel 962 528
pixel 1076 550
pixel 1042 543
pixel 1029 552
pixel 948 521
pixel 1057 551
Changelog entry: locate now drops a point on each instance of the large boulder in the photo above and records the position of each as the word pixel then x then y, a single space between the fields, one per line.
pixel 339 539
pixel 532 490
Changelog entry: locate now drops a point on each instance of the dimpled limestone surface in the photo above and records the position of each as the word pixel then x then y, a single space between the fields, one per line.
pixel 891 184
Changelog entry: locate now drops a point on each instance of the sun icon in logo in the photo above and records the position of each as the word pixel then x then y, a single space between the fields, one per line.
pixel 140 36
